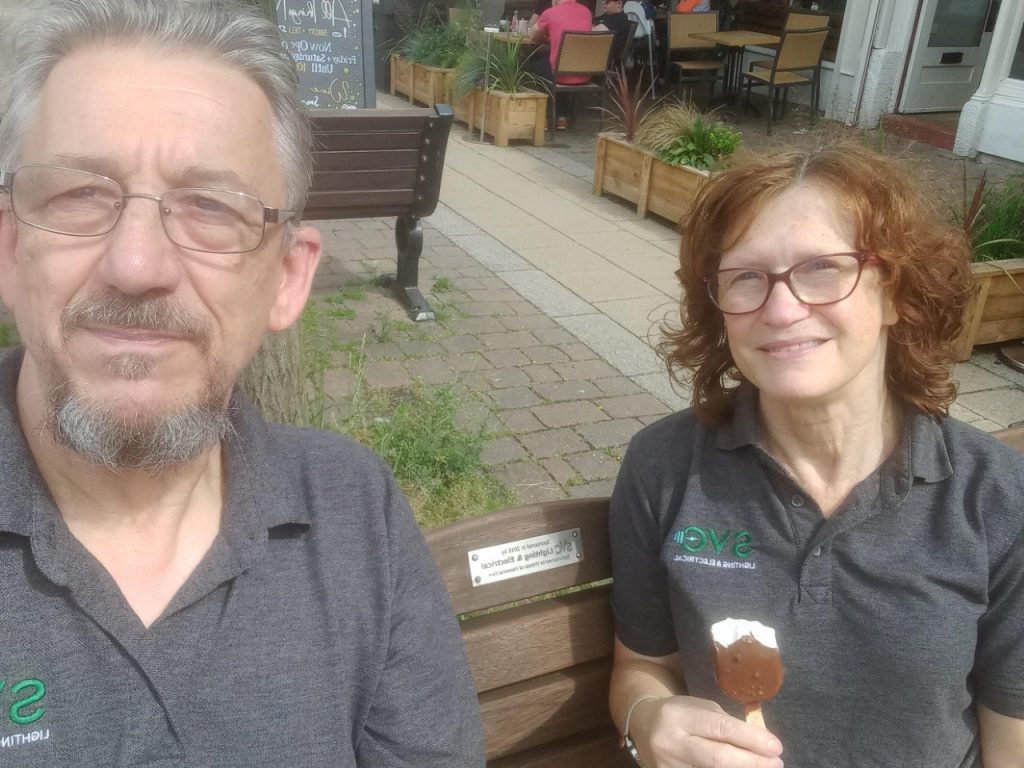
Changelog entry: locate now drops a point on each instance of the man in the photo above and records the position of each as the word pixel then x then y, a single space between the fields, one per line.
pixel 614 20
pixel 563 16
pixel 182 583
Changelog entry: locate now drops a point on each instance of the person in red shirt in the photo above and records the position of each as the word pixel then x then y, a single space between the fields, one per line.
pixel 563 16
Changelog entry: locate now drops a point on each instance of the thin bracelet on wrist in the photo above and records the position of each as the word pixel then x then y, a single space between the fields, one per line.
pixel 627 741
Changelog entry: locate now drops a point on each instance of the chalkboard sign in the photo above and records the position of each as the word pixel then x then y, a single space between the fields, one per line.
pixel 325 37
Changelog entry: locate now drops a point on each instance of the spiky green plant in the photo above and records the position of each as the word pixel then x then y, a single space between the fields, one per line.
pixel 626 103
pixel 664 124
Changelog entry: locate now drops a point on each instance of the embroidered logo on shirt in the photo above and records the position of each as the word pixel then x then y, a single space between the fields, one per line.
pixel 706 545
pixel 24 709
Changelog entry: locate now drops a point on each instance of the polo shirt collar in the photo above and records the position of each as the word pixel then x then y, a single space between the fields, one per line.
pixel 256 497
pixel 922 449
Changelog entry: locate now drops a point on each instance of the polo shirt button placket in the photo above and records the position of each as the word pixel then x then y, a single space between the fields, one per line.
pixel 797 500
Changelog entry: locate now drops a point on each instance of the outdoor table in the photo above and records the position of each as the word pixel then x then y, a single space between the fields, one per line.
pixel 735 42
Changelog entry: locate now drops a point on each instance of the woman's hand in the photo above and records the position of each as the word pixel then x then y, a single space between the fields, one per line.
pixel 683 731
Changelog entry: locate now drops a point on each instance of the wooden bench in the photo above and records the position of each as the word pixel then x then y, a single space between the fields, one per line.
pixel 540 641
pixel 542 666
pixel 382 162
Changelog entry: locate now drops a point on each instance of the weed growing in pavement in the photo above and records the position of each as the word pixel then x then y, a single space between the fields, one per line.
pixel 416 430
pixel 441 285
pixel 385 327
pixel 436 461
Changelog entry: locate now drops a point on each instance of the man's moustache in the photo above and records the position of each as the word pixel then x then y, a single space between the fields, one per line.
pixel 148 313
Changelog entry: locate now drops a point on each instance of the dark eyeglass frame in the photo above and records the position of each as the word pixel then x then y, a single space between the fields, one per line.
pixel 863 258
pixel 270 215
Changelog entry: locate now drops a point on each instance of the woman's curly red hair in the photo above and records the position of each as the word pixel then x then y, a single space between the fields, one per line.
pixel 926 265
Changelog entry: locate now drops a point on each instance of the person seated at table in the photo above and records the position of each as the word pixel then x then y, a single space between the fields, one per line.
pixel 693 6
pixel 563 16
pixel 615 21
pixel 819 486
pixel 538 8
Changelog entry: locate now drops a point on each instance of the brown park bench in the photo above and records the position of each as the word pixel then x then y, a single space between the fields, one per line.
pixel 540 643
pixel 382 162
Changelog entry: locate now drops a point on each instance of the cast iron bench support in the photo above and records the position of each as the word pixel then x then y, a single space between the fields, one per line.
pixel 370 163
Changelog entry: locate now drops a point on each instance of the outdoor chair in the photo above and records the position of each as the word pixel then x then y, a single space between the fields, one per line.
pixel 643 37
pixel 586 54
pixel 701 68
pixel 799 50
pixel 796 21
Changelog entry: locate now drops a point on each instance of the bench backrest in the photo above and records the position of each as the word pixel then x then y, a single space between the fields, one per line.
pixel 377 162
pixel 539 641
pixel 541 666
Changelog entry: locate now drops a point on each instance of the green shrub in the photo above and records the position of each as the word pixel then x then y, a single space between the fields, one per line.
pixel 998 232
pixel 702 145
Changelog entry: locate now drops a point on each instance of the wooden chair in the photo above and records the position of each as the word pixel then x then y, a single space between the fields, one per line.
pixel 541 657
pixel 798 50
pixel 586 54
pixel 701 68
pixel 796 20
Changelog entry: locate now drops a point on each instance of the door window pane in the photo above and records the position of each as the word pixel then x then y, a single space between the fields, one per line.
pixel 1017 68
pixel 958 24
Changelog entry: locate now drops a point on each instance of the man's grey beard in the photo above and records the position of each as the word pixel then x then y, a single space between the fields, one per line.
pixel 116 443
pixel 113 439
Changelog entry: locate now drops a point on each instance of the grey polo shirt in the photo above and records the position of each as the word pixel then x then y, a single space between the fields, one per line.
pixel 315 632
pixel 893 616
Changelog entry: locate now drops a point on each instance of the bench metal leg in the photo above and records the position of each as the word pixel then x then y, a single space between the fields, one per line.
pixel 405 284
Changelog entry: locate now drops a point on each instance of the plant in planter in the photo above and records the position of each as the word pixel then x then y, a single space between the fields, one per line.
pixel 662 166
pixel 423 61
pixel 516 103
pixel 994 223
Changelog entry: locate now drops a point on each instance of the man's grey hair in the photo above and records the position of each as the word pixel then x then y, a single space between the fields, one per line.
pixel 235 34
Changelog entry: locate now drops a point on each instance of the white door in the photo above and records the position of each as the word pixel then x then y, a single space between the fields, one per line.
pixel 949 53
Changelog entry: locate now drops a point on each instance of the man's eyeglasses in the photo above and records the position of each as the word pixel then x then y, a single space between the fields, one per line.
pixel 67 201
pixel 826 279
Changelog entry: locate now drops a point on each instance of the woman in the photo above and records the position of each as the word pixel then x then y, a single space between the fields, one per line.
pixel 818 486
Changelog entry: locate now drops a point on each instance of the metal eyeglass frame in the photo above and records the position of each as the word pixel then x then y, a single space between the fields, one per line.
pixel 270 215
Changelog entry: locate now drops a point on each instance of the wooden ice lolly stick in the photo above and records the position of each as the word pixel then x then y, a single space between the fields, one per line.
pixel 754 714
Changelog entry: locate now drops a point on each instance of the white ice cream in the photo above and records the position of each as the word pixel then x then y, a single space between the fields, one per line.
pixel 728 631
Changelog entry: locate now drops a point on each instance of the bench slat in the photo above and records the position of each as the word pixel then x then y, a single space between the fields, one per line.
pixel 366 181
pixel 361 160
pixel 594 749
pixel 536 639
pixel 450 544
pixel 537 711
pixel 344 141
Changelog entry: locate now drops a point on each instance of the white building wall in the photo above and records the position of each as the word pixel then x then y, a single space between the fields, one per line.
pixel 993 120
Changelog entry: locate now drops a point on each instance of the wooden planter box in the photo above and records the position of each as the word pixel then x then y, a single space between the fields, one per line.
pixel 996 313
pixel 427 85
pixel 432 85
pixel 463 108
pixel 401 76
pixel 511 115
pixel 639 177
